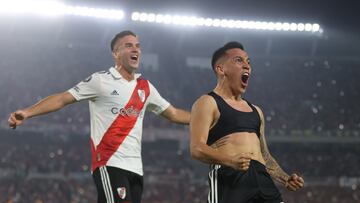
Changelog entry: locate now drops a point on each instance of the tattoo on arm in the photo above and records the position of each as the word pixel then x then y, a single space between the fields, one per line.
pixel 222 141
pixel 272 167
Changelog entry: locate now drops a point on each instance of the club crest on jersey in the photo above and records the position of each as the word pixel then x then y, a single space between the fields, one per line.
pixel 121 192
pixel 141 94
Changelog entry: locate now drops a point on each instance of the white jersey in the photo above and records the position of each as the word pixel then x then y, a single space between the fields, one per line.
pixel 117 109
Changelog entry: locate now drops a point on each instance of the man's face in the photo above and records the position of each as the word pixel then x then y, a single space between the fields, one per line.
pixel 237 69
pixel 127 52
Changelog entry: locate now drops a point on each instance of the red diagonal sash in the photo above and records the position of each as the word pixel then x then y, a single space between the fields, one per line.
pixel 120 128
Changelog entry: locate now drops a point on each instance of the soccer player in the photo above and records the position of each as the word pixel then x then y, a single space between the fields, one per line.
pixel 227 132
pixel 118 98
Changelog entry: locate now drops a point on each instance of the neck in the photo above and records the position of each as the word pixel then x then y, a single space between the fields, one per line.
pixel 127 74
pixel 227 93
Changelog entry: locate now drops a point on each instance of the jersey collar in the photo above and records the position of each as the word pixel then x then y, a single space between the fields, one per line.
pixel 118 76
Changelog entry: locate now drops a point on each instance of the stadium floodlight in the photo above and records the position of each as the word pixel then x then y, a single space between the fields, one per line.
pixel 300 27
pixel 225 23
pixel 308 27
pixel 208 22
pixel 40 7
pixel 293 26
pixel 55 8
pixel 315 27
pixel 94 12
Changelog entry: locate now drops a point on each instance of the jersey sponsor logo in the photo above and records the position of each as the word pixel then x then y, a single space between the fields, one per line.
pixel 114 92
pixel 126 111
pixel 121 192
pixel 141 94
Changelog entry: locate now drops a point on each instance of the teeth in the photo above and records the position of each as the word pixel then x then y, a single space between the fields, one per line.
pixel 247 74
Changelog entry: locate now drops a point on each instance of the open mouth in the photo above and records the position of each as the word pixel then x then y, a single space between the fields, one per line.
pixel 134 57
pixel 245 78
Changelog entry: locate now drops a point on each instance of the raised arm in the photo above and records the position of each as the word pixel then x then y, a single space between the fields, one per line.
pixel 49 104
pixel 292 182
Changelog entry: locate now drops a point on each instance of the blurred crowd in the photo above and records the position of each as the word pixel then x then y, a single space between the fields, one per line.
pixel 56 168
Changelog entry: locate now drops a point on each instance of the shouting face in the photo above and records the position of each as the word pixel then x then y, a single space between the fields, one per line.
pixel 127 53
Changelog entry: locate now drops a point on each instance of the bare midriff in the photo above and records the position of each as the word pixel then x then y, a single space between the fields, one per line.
pixel 240 143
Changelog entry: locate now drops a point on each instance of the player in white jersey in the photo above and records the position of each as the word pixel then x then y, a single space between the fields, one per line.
pixel 117 99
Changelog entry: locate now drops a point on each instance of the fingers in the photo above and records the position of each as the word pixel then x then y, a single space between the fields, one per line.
pixel 295 182
pixel 12 121
pixel 301 180
pixel 248 155
pixel 15 119
pixel 291 188
pixel 244 163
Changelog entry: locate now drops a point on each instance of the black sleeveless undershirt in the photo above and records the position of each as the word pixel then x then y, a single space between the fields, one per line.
pixel 232 120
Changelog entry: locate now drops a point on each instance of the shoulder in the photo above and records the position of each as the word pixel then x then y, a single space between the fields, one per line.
pixel 98 75
pixel 205 102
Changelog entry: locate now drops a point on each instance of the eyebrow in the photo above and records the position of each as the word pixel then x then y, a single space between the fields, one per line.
pixel 129 43
pixel 244 58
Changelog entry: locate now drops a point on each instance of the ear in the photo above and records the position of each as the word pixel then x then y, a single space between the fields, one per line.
pixel 219 69
pixel 114 54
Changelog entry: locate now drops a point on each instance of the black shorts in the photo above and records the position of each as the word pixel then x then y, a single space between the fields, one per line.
pixel 255 185
pixel 116 185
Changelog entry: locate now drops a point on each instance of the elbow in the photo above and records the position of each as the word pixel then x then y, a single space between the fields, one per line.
pixel 196 152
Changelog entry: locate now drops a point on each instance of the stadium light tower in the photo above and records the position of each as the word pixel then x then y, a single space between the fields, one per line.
pixel 55 8
pixel 224 23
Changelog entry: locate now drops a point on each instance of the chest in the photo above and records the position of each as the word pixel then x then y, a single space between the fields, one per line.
pixel 120 93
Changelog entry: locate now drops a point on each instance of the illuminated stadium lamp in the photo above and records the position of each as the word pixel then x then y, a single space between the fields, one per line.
pixel 308 27
pixel 208 22
pixel 216 22
pixel 151 17
pixel 45 8
pixel 300 27
pixel 278 26
pixel 167 19
pixel 54 8
pixel 272 26
pixel 224 23
pixel 286 26
pixel 159 18
pixel 293 26
pixel 135 16
pixel 143 17
pixel 200 21
pixel 315 27
pixel 94 12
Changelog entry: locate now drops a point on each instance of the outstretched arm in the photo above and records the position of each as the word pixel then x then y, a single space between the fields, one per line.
pixel 292 182
pixel 176 115
pixel 49 104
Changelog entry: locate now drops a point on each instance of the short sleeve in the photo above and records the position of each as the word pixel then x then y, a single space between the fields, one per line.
pixel 86 89
pixel 156 103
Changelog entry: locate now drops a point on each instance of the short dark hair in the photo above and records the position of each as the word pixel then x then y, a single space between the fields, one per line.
pixel 222 51
pixel 119 36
